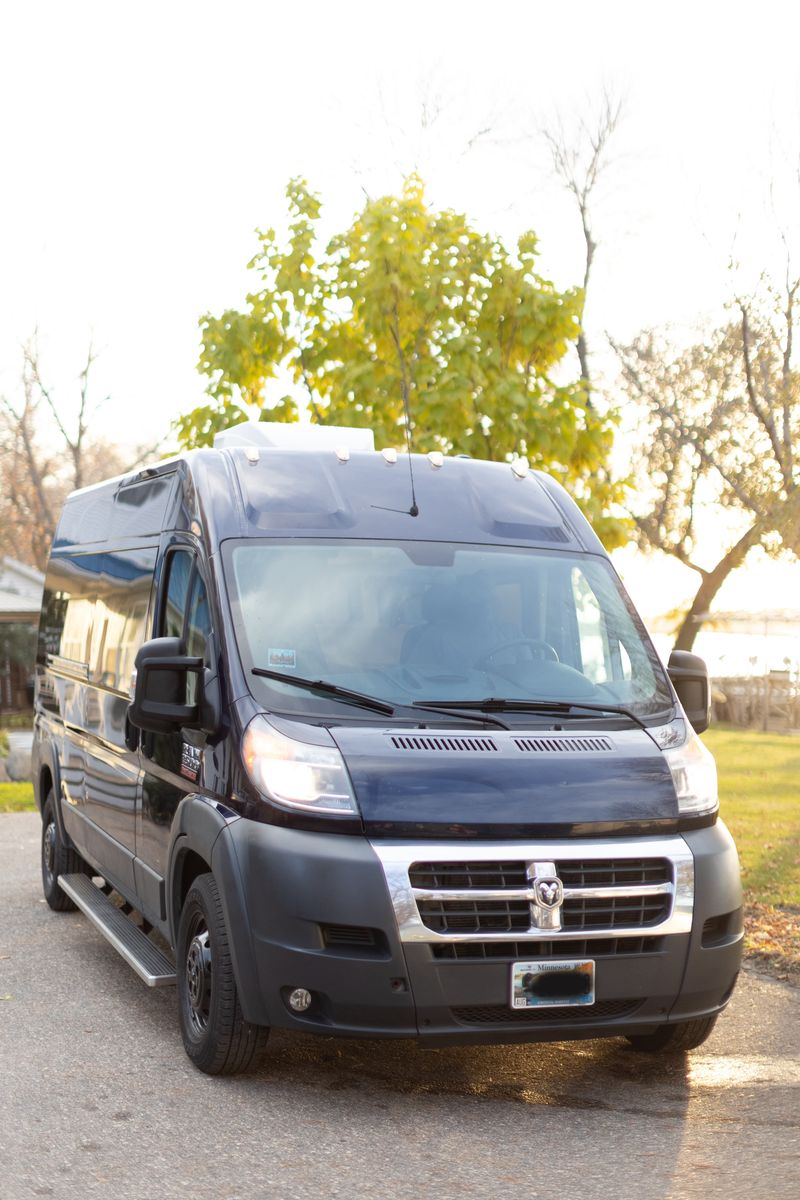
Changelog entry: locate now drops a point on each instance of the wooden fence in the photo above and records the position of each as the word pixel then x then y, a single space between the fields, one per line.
pixel 768 702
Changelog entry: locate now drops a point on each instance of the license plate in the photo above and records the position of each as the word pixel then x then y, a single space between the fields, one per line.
pixel 561 982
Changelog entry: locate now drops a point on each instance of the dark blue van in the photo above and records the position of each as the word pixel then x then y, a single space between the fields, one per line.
pixel 334 760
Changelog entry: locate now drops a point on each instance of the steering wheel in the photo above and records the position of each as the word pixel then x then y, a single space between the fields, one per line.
pixel 544 651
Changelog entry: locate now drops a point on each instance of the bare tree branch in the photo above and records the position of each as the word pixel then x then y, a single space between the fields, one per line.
pixel 579 162
pixel 33 477
pixel 709 436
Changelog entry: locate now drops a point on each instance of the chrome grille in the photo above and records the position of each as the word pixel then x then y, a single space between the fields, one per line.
pixel 465 916
pixel 467 875
pixel 446 892
pixel 640 911
pixel 601 872
pixel 638 893
pixel 612 872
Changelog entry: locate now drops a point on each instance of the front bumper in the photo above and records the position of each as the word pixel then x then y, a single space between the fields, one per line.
pixel 288 892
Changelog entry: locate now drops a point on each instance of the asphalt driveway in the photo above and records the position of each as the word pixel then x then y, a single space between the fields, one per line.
pixel 98 1099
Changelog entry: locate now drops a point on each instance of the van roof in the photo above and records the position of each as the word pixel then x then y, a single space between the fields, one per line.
pixel 262 491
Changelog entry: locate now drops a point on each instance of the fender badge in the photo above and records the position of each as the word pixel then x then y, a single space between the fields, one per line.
pixel 191 762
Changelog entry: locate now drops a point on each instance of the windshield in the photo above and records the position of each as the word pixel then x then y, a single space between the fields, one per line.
pixel 434 621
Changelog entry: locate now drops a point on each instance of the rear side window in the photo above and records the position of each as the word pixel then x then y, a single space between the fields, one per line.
pixel 115 512
pixel 94 613
pixel 65 628
pixel 124 584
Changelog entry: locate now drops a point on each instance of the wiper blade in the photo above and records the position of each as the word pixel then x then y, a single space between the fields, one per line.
pixel 329 689
pixel 561 707
pixel 435 707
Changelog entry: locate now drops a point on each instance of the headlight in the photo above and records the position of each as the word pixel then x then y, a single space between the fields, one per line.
pixel 313 778
pixel 694 772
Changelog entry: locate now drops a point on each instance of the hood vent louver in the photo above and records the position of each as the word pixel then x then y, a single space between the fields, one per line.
pixel 442 742
pixel 563 745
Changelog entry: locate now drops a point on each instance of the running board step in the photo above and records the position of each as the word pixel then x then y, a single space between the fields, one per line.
pixel 135 947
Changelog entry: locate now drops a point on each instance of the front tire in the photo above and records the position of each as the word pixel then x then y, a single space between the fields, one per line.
pixel 675 1039
pixel 57 859
pixel 216 1036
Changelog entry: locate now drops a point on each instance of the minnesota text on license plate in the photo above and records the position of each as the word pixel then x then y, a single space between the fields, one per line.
pixel 557 981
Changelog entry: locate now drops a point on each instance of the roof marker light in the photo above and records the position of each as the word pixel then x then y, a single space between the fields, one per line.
pixel 251 454
pixel 390 454
pixel 520 467
pixel 343 454
pixel 436 459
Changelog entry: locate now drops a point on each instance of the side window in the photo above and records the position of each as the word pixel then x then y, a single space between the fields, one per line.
pixel 77 630
pixel 67 611
pixel 124 581
pixel 603 655
pixel 198 629
pixel 173 613
pixel 198 626
pixel 591 629
pixel 186 613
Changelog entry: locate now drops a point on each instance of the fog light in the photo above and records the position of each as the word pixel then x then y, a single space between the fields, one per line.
pixel 300 999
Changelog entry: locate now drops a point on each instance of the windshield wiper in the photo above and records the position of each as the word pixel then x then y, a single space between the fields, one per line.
pixel 326 688
pixel 329 689
pixel 435 707
pixel 560 707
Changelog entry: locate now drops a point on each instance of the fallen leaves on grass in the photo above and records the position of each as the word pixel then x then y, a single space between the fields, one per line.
pixel 772 939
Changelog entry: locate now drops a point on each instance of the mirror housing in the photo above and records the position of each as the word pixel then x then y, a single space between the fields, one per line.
pixel 159 694
pixel 689 676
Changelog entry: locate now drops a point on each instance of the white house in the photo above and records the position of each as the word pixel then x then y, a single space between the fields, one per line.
pixel 20 602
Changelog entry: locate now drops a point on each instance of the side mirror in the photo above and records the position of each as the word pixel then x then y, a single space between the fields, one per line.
pixel 160 692
pixel 689 675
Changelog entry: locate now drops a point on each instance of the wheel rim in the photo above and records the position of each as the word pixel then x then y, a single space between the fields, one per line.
pixel 198 976
pixel 49 851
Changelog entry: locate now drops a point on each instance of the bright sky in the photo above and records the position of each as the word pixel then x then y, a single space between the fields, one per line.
pixel 141 145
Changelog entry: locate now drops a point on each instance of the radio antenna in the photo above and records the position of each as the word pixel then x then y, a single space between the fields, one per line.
pixel 414 510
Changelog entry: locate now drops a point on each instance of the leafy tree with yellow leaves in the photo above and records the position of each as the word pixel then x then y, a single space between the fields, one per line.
pixel 411 305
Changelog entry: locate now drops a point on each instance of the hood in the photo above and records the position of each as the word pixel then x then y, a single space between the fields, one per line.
pixel 478 784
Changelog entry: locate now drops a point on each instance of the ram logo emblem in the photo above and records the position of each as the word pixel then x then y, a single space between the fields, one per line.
pixel 549 892
pixel 546 895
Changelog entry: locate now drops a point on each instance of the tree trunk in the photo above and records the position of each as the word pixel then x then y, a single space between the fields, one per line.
pixel 712 581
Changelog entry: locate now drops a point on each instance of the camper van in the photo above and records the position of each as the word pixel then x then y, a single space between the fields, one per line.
pixel 372 744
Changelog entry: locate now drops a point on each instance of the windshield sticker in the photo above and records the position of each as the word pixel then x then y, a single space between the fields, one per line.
pixel 281 659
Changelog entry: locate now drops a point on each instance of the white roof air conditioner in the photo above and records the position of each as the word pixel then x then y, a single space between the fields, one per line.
pixel 277 435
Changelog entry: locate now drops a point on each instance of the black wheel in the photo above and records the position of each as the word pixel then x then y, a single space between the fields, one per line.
pixel 675 1039
pixel 217 1038
pixel 57 859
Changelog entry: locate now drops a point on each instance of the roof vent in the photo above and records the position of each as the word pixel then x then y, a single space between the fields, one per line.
pixel 563 745
pixel 442 743
pixel 293 436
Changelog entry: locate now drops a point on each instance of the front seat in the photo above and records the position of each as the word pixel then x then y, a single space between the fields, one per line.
pixel 458 630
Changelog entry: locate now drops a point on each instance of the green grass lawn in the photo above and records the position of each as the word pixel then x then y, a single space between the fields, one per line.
pixel 759 776
pixel 759 785
pixel 16 797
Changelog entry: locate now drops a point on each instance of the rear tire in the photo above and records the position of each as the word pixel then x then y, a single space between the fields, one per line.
pixel 216 1036
pixel 57 859
pixel 675 1039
